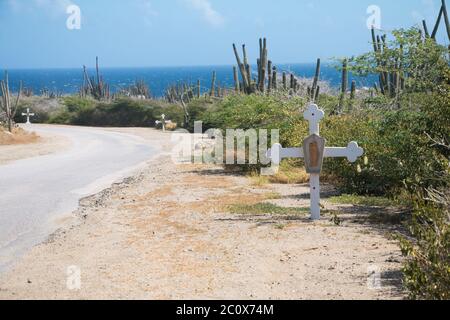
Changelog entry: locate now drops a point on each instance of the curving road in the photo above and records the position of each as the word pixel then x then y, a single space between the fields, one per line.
pixel 35 191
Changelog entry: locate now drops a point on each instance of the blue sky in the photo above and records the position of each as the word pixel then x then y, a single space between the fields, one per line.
pixel 132 33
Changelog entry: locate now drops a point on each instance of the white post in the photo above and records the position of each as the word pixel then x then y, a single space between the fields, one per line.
pixel 314 115
pixel 314 182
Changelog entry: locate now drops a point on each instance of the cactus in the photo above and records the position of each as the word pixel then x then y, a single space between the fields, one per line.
pixel 284 81
pixel 269 71
pixel 316 80
pixel 236 79
pixel 446 18
pixel 352 95
pixel 263 64
pixel 95 87
pixel 377 49
pixel 245 80
pixel 344 85
pixel 247 69
pixel 316 95
pixel 353 90
pixel 213 85
pixel 425 29
pixel 274 78
pixel 438 22
pixel 9 107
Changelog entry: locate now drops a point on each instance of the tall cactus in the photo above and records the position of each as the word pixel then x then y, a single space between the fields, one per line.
pixel 248 70
pixel 245 80
pixel 9 107
pixel 438 22
pixel 446 18
pixel 316 95
pixel 274 78
pixel 212 91
pixel 352 95
pixel 316 80
pixel 236 79
pixel 344 84
pixel 284 81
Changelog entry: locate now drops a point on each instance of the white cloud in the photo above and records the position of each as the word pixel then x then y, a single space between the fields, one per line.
pixel 208 12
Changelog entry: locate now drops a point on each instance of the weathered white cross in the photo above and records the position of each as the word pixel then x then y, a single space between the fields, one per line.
pixel 313 152
pixel 28 115
pixel 163 122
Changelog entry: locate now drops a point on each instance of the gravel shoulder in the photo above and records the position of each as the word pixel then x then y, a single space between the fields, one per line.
pixel 166 233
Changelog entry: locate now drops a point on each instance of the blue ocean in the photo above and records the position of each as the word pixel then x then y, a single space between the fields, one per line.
pixel 68 81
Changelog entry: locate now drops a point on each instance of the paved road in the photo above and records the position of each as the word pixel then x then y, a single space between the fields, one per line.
pixel 36 191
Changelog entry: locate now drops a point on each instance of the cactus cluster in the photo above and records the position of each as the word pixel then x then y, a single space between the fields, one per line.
pixel 139 89
pixel 390 82
pixel 94 86
pixel 267 80
pixel 8 104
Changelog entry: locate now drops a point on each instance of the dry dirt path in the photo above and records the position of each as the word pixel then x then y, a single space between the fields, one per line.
pixel 167 234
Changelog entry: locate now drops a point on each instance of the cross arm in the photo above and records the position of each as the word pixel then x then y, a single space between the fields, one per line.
pixel 278 153
pixel 352 152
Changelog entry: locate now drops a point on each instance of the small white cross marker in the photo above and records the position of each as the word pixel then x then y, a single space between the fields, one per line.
pixel 28 115
pixel 314 154
pixel 163 122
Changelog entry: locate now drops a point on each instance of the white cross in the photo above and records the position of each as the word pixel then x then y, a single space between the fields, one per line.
pixel 352 152
pixel 163 122
pixel 28 115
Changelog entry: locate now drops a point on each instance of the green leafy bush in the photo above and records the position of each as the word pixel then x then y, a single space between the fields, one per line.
pixel 427 267
pixel 121 113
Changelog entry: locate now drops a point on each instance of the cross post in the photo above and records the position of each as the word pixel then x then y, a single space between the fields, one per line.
pixel 313 152
pixel 163 122
pixel 28 115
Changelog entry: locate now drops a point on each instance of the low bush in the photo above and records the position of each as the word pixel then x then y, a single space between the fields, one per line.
pixel 120 113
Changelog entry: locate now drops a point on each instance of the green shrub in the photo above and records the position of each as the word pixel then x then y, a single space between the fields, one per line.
pixel 121 113
pixel 427 266
pixel 40 116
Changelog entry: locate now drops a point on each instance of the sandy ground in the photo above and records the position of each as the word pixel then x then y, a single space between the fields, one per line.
pixel 167 234
pixel 44 145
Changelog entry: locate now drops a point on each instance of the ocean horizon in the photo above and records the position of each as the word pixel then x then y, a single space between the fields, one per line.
pixel 68 81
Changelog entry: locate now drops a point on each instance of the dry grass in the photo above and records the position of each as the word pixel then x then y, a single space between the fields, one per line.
pixel 287 174
pixel 18 136
pixel 290 175
pixel 171 126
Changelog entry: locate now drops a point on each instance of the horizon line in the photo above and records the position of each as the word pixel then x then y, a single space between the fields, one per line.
pixel 324 62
